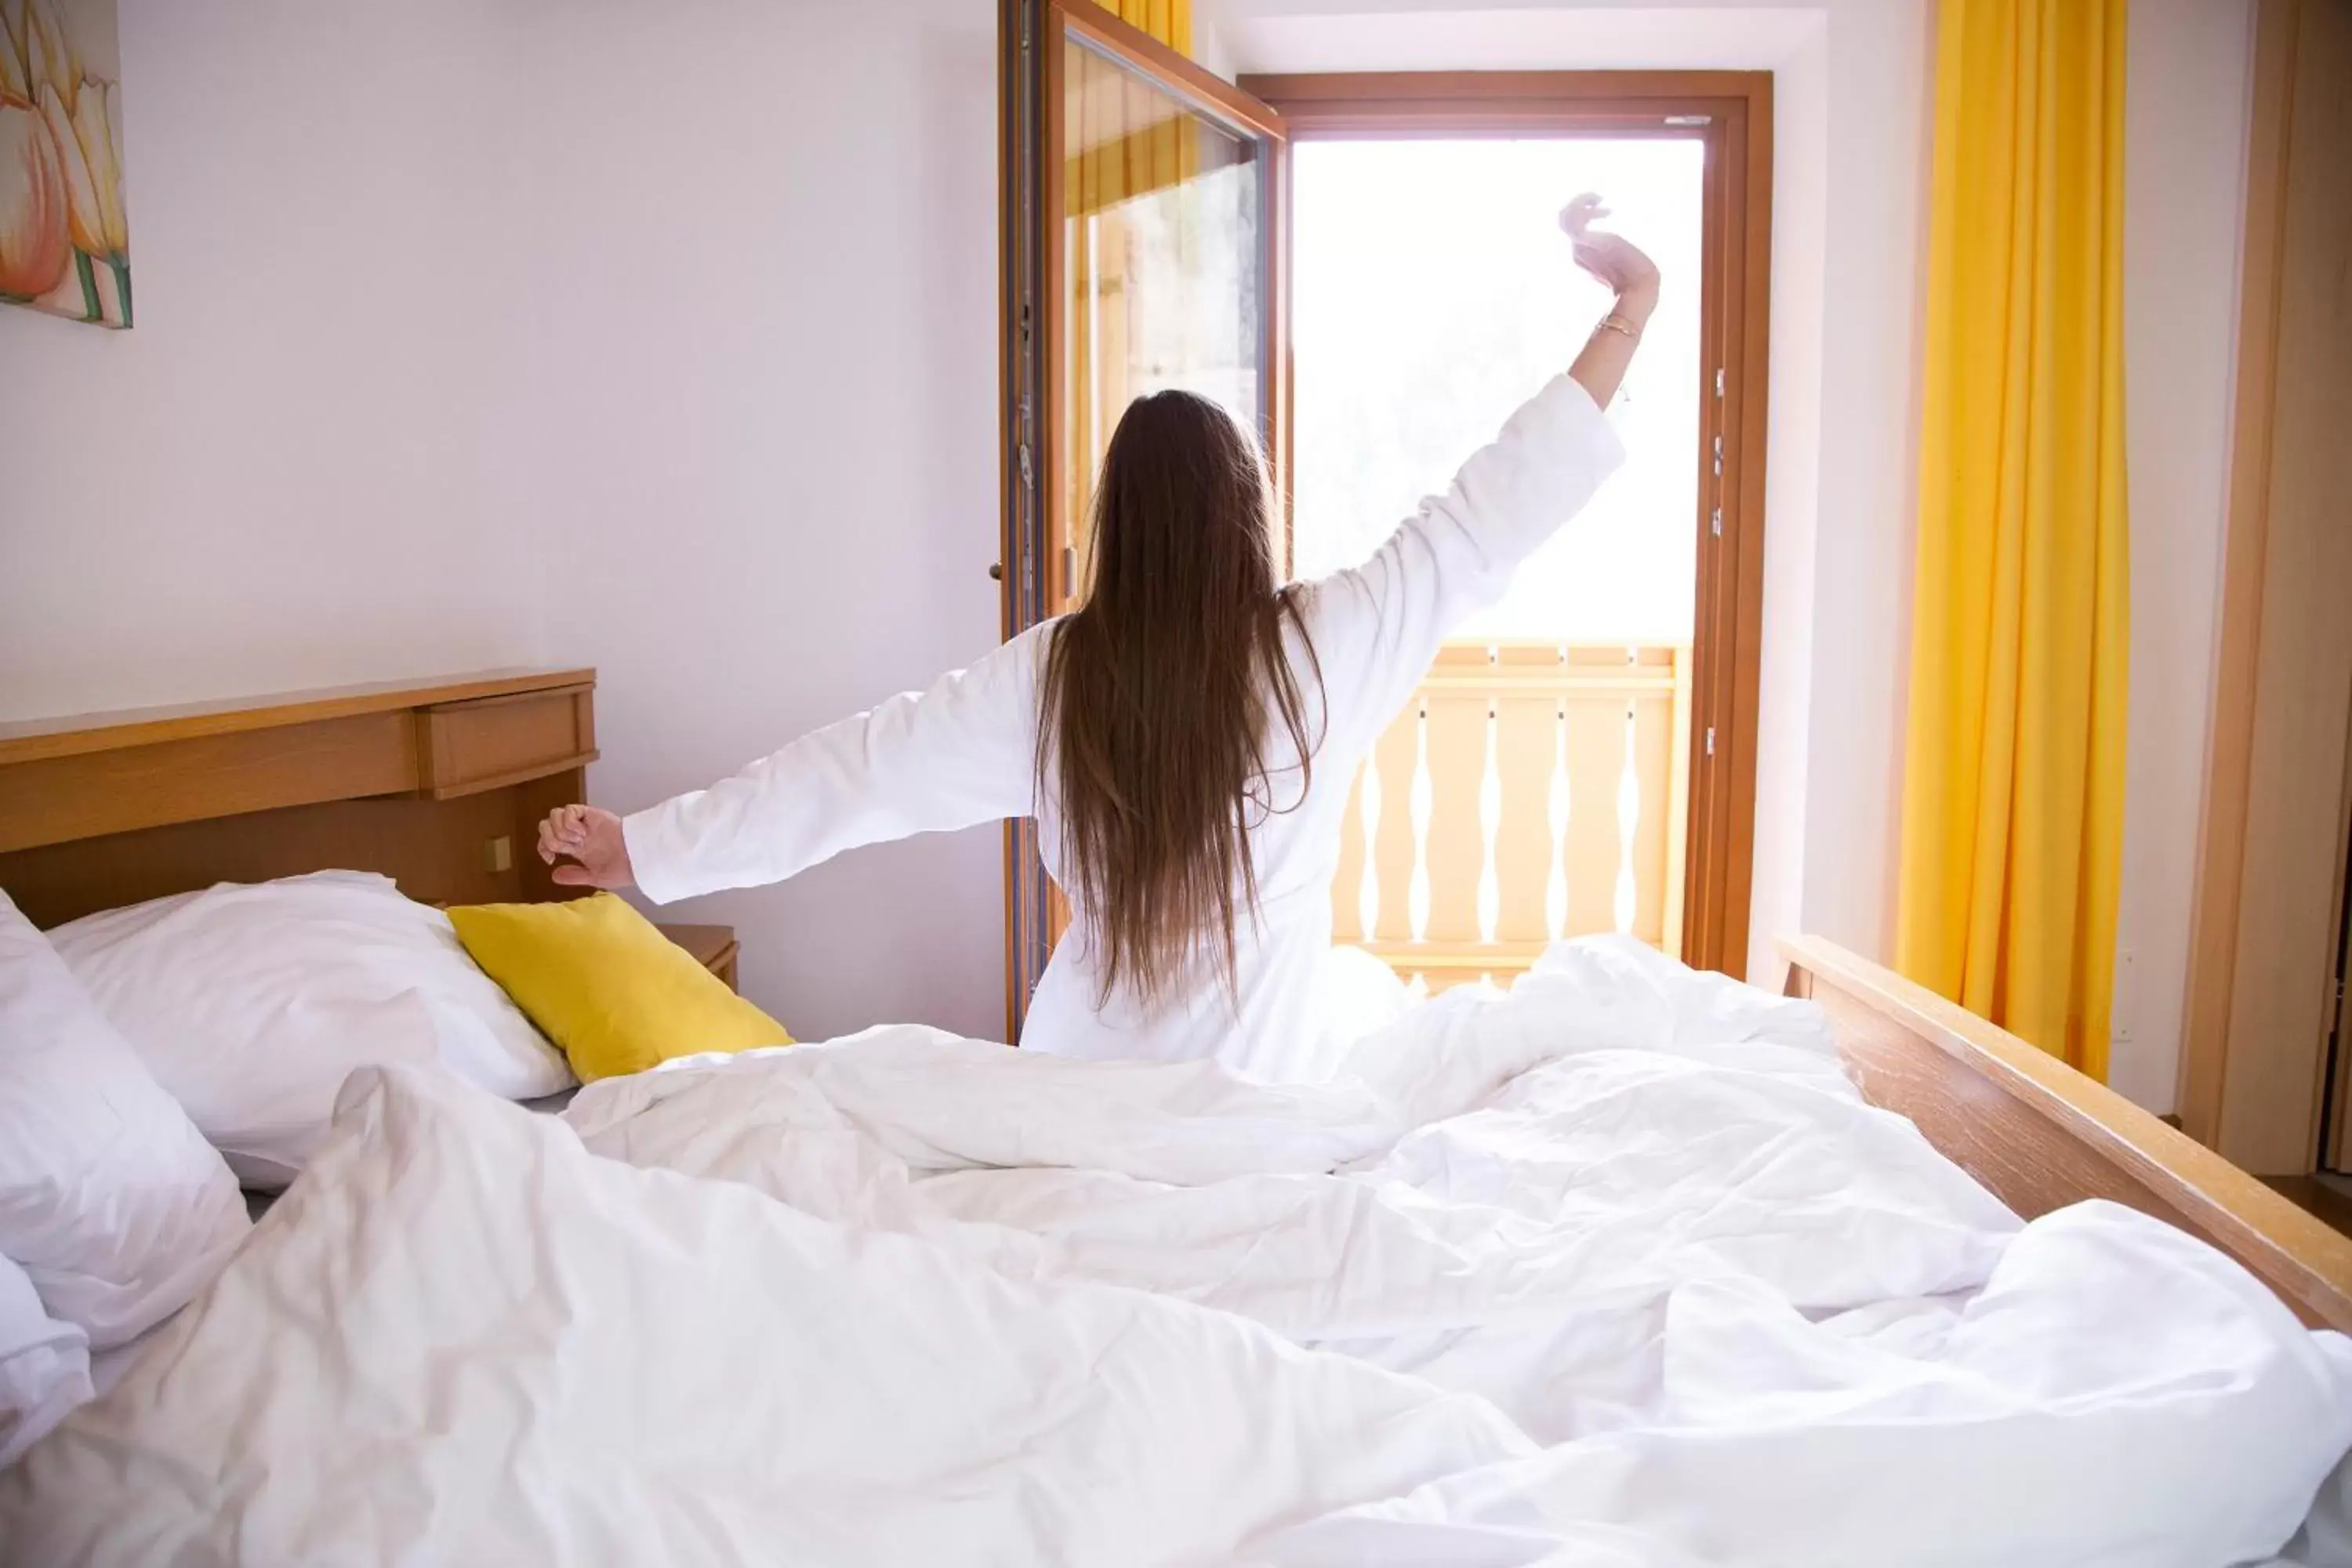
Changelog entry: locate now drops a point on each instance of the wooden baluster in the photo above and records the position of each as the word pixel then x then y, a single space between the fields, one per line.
pixel 1656 871
pixel 1527 725
pixel 1490 823
pixel 1596 755
pixel 1651 758
pixel 1455 729
pixel 1389 850
pixel 1421 804
pixel 1629 823
pixel 1557 804
pixel 1677 814
pixel 1527 865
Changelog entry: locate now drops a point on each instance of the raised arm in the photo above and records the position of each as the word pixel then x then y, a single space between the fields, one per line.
pixel 961 753
pixel 1631 276
pixel 1458 554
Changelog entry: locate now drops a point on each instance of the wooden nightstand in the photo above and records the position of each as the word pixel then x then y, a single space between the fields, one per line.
pixel 713 947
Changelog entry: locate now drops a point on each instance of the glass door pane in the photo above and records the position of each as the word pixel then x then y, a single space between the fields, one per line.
pixel 1158 278
pixel 1435 294
pixel 1140 226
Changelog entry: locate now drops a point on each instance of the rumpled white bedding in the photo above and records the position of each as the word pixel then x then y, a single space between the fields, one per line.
pixel 1614 1271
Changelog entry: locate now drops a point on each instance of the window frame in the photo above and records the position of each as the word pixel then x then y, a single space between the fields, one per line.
pixel 1731 112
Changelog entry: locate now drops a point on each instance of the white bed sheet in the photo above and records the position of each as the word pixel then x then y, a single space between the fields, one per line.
pixel 2324 1539
pixel 1615 1270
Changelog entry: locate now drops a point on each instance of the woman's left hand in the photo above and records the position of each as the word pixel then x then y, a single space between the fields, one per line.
pixel 594 838
pixel 1615 260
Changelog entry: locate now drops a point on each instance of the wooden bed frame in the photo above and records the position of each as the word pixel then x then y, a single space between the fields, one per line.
pixel 2041 1135
pixel 440 784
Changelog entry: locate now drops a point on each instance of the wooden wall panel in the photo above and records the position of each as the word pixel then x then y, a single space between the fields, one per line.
pixel 2270 881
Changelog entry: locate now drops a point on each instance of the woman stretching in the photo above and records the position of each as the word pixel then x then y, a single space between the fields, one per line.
pixel 1185 740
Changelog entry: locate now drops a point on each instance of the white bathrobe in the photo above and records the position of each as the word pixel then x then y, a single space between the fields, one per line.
pixel 965 752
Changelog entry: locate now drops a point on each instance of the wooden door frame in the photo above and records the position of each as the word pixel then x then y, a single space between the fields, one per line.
pixel 1731 111
pixel 2244 1023
pixel 1030 390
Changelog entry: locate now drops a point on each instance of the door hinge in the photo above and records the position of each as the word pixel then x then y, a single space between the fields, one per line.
pixel 1719 381
pixel 1718 457
pixel 1070 570
pixel 1028 477
pixel 1714 522
pixel 1710 740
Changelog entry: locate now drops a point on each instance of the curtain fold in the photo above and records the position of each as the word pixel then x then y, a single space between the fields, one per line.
pixel 2013 778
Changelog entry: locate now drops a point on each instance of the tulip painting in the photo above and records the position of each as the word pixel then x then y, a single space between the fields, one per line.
pixel 65 244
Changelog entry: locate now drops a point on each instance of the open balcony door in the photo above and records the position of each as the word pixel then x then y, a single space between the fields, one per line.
pixel 1143 199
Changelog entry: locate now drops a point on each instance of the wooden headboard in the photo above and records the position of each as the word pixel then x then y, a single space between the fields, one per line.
pixel 437 785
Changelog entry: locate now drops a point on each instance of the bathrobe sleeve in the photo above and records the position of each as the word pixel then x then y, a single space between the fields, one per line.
pixel 1379 625
pixel 963 752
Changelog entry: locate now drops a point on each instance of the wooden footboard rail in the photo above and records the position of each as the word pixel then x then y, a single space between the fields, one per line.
pixel 2041 1135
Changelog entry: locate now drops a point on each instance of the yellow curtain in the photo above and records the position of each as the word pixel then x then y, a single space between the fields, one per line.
pixel 2013 778
pixel 1128 141
pixel 1170 21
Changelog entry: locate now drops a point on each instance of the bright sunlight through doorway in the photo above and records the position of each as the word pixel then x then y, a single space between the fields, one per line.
pixel 1537 785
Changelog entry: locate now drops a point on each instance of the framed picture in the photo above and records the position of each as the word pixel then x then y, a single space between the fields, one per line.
pixel 65 245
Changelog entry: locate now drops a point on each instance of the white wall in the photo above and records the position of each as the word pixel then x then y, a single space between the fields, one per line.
pixel 481 331
pixel 1792 468
pixel 1873 260
pixel 766 458
pixel 2185 108
pixel 295 470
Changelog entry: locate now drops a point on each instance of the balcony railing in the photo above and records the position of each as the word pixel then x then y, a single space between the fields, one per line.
pixel 1530 791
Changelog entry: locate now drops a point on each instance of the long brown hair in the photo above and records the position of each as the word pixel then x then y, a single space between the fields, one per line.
pixel 1156 695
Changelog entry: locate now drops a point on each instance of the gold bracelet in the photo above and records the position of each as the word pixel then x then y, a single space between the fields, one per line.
pixel 1613 322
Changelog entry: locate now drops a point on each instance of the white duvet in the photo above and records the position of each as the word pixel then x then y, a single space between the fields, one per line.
pixel 1615 1270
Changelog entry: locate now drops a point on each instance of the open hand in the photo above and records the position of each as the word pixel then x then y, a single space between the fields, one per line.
pixel 1615 260
pixel 593 839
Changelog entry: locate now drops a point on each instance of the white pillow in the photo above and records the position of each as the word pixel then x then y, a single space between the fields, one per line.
pixel 44 1366
pixel 251 1003
pixel 109 1198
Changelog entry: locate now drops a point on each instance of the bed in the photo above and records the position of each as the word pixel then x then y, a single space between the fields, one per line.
pixel 437 783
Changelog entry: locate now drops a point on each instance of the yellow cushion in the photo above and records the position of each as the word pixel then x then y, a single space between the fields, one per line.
pixel 602 983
